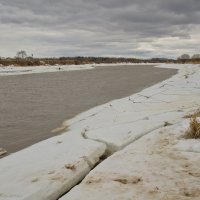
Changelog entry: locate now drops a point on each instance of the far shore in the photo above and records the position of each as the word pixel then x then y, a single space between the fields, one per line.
pixel 24 61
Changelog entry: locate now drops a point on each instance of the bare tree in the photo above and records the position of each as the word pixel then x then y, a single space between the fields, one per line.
pixel 184 57
pixel 21 54
pixel 196 56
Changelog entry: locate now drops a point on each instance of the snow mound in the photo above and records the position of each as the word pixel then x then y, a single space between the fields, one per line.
pixel 149 168
pixel 48 169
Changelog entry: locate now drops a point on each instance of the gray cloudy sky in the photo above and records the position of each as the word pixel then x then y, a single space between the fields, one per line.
pixel 130 28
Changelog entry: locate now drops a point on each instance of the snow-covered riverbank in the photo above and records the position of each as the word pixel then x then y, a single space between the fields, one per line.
pixel 148 126
pixel 160 165
pixel 13 70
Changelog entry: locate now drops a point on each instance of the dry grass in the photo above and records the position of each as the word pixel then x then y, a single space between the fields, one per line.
pixel 194 129
pixel 130 180
pixel 193 115
pixel 2 151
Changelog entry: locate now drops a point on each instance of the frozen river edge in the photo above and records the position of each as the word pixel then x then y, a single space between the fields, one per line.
pixel 51 168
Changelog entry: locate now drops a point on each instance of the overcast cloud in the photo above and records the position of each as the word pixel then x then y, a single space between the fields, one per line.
pixel 129 28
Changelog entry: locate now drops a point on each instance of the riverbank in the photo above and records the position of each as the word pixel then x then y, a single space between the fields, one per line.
pixel 145 129
pixel 14 70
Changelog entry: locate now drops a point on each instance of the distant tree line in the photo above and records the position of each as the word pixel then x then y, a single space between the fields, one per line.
pixel 186 58
pixel 23 59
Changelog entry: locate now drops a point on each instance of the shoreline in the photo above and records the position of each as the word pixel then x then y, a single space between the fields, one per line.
pixel 53 170
pixel 19 70
pixel 14 70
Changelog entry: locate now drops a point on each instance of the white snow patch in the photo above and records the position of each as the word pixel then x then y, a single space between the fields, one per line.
pixel 17 70
pixel 189 145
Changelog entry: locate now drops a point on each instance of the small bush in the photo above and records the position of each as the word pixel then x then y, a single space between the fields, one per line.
pixel 194 129
pixel 194 115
